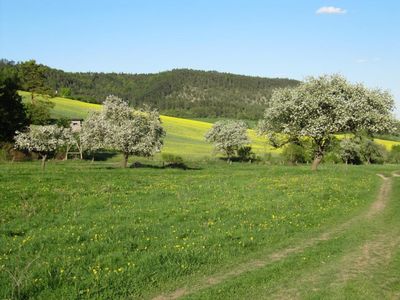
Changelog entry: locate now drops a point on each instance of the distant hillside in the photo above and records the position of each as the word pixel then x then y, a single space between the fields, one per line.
pixel 180 92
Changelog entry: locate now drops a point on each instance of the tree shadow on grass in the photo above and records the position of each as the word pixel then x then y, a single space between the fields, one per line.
pixel 102 156
pixel 239 159
pixel 181 166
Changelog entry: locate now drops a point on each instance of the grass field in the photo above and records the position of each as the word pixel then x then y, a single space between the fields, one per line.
pixel 214 231
pixel 98 231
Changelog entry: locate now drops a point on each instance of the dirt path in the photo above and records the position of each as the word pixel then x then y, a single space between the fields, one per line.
pixel 376 207
pixel 374 254
pixel 383 196
pixel 370 255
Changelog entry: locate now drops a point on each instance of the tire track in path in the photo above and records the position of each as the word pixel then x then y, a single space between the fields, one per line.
pixel 376 207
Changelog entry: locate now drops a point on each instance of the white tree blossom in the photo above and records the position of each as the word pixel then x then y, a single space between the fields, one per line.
pixel 118 127
pixel 43 140
pixel 92 135
pixel 323 106
pixel 140 135
pixel 115 110
pixel 228 136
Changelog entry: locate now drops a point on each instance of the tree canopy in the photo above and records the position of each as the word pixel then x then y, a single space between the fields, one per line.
pixel 43 140
pixel 228 136
pixel 133 132
pixel 33 78
pixel 12 111
pixel 323 106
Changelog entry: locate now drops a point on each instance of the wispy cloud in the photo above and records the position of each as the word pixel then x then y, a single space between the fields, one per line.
pixel 368 60
pixel 361 60
pixel 330 10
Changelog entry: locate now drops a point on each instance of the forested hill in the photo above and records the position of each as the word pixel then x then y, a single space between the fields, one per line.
pixel 180 92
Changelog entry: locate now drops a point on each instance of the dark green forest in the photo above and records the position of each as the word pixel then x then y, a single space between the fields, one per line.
pixel 179 92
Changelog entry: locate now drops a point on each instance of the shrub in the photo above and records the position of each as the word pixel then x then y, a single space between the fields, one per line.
pixel 245 153
pixel 394 156
pixel 5 154
pixel 350 152
pixel 372 153
pixel 295 154
pixel 9 153
pixel 333 157
pixel 171 158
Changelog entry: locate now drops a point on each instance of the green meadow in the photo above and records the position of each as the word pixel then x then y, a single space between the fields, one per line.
pixel 82 230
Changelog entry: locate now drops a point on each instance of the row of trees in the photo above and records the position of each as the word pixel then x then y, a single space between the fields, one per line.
pixel 315 110
pixel 321 107
pixel 15 115
pixel 116 127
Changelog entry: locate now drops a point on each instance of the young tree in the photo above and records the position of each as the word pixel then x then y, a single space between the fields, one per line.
pixel 140 135
pixel 131 132
pixel 33 78
pixel 65 92
pixel 43 140
pixel 12 111
pixel 323 106
pixel 39 113
pixel 350 151
pixel 228 136
pixel 92 136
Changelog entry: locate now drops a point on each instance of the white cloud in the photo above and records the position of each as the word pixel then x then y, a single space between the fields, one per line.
pixel 330 10
pixel 368 60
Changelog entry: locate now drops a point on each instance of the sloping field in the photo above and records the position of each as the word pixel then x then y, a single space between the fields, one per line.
pixel 184 137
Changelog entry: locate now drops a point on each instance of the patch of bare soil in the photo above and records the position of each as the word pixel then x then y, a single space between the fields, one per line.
pixel 383 197
pixel 372 254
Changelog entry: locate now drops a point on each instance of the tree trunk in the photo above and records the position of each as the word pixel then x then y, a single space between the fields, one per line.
pixel 92 158
pixel 66 153
pixel 316 162
pixel 44 157
pixel 32 98
pixel 80 148
pixel 125 162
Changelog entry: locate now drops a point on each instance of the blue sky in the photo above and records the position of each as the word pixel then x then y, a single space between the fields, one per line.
pixel 285 38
